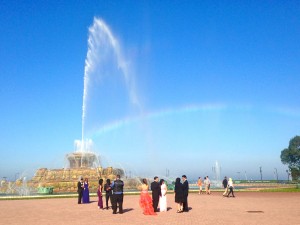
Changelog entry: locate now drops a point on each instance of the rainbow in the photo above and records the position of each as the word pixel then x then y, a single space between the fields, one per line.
pixel 117 124
pixel 190 108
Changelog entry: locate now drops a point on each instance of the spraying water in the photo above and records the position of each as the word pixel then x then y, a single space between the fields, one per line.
pixel 217 171
pixel 103 49
pixel 217 175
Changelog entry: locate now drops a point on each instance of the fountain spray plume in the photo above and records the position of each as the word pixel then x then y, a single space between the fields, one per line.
pixel 100 41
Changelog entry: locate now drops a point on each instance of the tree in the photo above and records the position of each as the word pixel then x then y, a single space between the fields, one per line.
pixel 291 157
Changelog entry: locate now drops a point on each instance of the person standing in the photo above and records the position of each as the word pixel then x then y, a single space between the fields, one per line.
pixel 178 195
pixel 185 188
pixel 86 192
pixel 225 185
pixel 199 183
pixel 99 193
pixel 80 190
pixel 117 196
pixel 163 196
pixel 156 192
pixel 207 185
pixel 108 192
pixel 230 185
pixel 145 199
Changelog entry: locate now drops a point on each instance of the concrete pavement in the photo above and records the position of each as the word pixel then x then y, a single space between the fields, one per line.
pixel 246 208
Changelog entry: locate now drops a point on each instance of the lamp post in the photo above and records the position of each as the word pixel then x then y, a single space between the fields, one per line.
pixel 275 171
pixel 239 175
pixel 167 172
pixel 260 170
pixel 246 178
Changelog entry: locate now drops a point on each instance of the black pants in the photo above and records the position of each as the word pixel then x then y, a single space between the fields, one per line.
pixel 155 200
pixel 230 191
pixel 185 206
pixel 80 196
pixel 107 197
pixel 117 199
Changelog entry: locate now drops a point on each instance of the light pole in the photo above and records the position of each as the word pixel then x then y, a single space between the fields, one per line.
pixel 239 175
pixel 260 170
pixel 275 171
pixel 246 178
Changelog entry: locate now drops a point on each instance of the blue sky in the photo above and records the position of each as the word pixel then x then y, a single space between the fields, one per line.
pixel 214 81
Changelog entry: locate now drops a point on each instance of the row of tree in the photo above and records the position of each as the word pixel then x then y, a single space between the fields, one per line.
pixel 291 157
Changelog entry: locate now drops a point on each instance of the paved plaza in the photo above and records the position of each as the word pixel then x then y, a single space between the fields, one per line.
pixel 245 208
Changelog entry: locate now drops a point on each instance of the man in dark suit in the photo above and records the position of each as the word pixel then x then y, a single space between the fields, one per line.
pixel 117 196
pixel 156 192
pixel 225 185
pixel 185 188
pixel 80 187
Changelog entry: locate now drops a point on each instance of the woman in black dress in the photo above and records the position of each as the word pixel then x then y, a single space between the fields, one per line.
pixel 178 195
pixel 108 192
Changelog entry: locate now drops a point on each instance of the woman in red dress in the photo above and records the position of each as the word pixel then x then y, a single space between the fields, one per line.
pixel 145 199
pixel 99 193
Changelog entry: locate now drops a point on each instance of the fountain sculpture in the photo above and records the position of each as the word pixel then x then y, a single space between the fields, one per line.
pixel 103 52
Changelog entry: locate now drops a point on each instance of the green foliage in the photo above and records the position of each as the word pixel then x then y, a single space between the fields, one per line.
pixel 295 172
pixel 291 157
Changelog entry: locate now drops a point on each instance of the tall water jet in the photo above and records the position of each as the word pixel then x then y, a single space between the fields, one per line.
pixel 217 171
pixel 217 175
pixel 104 52
pixel 104 60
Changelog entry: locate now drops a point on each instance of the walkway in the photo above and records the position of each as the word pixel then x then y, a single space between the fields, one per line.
pixel 246 208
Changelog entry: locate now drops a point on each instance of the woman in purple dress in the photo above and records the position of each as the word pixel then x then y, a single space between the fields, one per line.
pixel 86 192
pixel 99 193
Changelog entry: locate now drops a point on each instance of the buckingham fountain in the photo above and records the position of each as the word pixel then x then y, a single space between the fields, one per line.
pixel 103 57
pixel 103 52
pixel 81 164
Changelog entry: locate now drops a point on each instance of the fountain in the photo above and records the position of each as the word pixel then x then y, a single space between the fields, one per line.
pixel 19 187
pixel 103 58
pixel 83 156
pixel 217 182
pixel 81 164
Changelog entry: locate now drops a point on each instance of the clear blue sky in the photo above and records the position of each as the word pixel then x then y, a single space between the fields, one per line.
pixel 215 81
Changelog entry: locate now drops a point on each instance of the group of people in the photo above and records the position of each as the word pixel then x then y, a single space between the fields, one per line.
pixel 228 187
pixel 206 185
pixel 114 193
pixel 227 184
pixel 108 190
pixel 149 204
pixel 159 198
pixel 181 194
pixel 83 191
